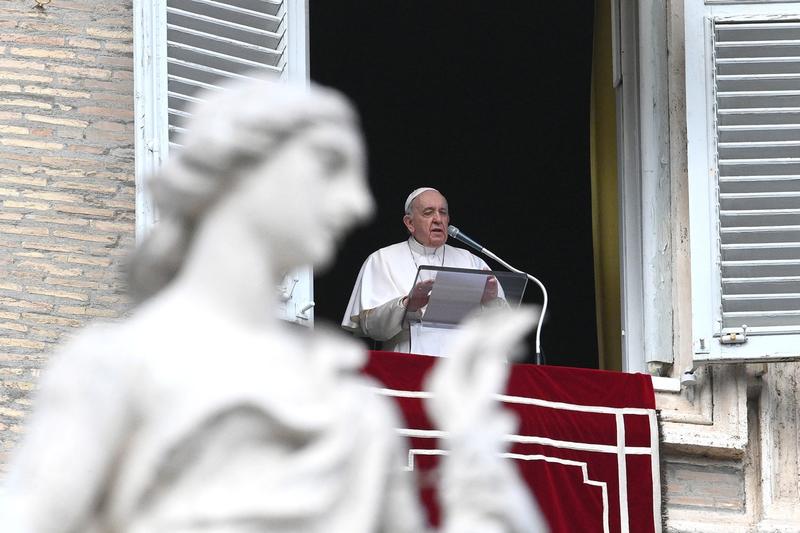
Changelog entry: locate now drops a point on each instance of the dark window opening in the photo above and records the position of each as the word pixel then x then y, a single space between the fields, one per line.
pixel 489 103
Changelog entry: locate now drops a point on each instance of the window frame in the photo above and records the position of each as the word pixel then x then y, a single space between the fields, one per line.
pixel 151 142
pixel 151 138
pixel 648 339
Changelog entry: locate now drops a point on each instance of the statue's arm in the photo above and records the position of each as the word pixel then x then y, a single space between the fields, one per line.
pixel 480 491
pixel 59 470
pixel 403 510
pixel 385 455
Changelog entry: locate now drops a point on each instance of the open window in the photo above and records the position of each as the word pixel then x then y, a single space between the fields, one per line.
pixel 743 126
pixel 497 119
pixel 183 46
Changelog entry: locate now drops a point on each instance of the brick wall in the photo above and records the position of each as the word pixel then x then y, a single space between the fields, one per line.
pixel 66 181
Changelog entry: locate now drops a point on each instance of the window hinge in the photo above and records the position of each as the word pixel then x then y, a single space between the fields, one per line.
pixel 701 347
pixel 734 335
pixel 303 313
pixel 286 289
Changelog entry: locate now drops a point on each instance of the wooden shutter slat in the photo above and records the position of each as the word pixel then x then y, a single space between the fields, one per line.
pixel 766 251
pixel 765 184
pixel 768 321
pixel 760 285
pixel 219 73
pixel 208 37
pixel 198 84
pixel 758 133
pixel 212 55
pixel 224 23
pixel 223 7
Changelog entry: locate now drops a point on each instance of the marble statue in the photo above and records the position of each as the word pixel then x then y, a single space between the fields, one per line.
pixel 201 412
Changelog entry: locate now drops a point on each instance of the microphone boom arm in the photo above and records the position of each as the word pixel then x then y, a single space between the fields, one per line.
pixel 457 234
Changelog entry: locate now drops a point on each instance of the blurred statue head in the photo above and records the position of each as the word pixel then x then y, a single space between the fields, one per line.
pixel 290 158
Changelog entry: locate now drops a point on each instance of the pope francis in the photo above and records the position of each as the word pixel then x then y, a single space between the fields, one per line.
pixel 382 295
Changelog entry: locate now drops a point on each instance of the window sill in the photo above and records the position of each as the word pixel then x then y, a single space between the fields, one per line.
pixel 662 384
pixel 709 418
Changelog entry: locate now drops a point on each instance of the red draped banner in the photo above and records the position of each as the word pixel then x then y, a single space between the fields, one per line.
pixel 587 444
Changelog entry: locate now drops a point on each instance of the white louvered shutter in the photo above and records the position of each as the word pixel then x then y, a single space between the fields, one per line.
pixel 751 180
pixel 183 46
pixel 757 74
pixel 209 41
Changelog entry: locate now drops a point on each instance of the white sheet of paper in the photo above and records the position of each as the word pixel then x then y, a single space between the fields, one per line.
pixel 453 296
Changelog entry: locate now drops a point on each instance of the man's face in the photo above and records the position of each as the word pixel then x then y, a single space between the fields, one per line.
pixel 429 219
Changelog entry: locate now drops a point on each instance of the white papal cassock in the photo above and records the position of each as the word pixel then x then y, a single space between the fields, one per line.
pixel 375 309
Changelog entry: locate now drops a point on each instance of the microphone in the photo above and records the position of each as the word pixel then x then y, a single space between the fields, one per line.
pixel 459 235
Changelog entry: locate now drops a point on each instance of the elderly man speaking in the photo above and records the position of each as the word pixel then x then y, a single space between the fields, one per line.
pixel 380 299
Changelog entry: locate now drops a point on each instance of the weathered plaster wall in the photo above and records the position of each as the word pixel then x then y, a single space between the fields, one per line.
pixel 731 458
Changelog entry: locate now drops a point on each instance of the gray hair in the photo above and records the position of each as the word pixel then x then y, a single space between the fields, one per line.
pixel 229 133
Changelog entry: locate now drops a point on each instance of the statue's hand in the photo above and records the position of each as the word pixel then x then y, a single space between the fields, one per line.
pixel 480 491
pixel 463 384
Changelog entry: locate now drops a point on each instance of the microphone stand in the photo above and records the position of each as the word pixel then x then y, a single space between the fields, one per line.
pixel 539 356
pixel 457 234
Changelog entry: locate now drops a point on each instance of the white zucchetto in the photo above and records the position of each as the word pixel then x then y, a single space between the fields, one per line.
pixel 414 194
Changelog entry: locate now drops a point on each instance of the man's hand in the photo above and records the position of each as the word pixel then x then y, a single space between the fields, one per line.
pixel 489 290
pixel 419 295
